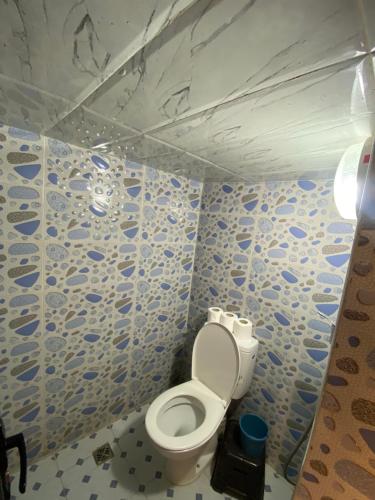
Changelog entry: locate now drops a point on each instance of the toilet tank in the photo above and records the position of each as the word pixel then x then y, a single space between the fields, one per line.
pixel 248 353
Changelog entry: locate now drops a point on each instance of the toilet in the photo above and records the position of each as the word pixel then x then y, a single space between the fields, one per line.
pixel 183 421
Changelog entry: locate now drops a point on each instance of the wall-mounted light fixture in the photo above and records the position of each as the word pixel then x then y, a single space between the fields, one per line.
pixel 350 176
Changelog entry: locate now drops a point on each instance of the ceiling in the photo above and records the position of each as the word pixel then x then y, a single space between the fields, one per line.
pixel 214 89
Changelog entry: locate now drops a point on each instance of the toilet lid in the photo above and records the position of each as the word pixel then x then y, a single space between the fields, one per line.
pixel 216 360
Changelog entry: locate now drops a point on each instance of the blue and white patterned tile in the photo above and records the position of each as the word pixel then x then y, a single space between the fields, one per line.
pixel 206 292
pixel 326 246
pixel 22 266
pixel 161 224
pixel 21 350
pixel 77 374
pixel 231 198
pixel 305 199
pixel 151 374
pixel 160 337
pixel 22 407
pixel 20 212
pixel 120 398
pixel 216 266
pixel 163 286
pixel 89 196
pixel 232 231
pixel 78 266
pixel 21 157
pixel 82 289
pixel 293 269
pixel 81 276
pixel 76 403
pixel 170 208
pixel 295 289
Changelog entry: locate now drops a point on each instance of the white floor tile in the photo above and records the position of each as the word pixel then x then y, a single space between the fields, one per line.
pixel 130 421
pixel 52 489
pixel 38 476
pixel 276 486
pixel 68 457
pixel 137 471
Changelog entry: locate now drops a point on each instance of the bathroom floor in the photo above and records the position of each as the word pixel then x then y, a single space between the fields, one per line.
pixel 135 471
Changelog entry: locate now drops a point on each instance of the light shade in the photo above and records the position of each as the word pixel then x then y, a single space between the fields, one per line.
pixel 345 186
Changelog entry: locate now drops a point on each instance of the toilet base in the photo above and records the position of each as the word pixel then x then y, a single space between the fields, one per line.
pixel 185 471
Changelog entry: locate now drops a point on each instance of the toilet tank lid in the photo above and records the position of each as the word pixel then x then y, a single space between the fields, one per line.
pixel 247 345
pixel 216 360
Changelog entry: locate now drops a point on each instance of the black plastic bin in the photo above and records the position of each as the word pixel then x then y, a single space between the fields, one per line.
pixel 235 473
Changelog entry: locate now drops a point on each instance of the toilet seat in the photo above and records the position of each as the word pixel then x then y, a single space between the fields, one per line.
pixel 187 416
pixel 214 412
pixel 183 421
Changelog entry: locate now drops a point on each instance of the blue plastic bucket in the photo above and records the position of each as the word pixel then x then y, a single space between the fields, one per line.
pixel 254 432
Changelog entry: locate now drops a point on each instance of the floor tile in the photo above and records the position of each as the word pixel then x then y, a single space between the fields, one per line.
pixel 68 457
pixel 47 490
pixel 38 477
pixel 137 471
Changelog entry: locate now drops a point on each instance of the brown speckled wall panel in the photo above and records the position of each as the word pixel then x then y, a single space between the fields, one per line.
pixel 340 462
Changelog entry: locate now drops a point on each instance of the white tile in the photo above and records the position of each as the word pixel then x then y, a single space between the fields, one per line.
pixel 41 472
pixel 137 473
pixel 114 479
pixel 139 450
pixel 42 490
pixel 83 449
pixel 132 421
pixel 276 485
pixel 119 481
pixel 201 486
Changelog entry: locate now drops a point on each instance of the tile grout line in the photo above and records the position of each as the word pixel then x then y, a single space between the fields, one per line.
pixel 194 257
pixel 137 268
pixel 43 322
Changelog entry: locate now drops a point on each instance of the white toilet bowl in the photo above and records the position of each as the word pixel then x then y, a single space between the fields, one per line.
pixel 183 421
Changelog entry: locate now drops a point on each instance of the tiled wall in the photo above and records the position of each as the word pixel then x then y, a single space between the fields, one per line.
pixel 277 253
pixel 340 462
pixel 96 265
pixel 97 259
